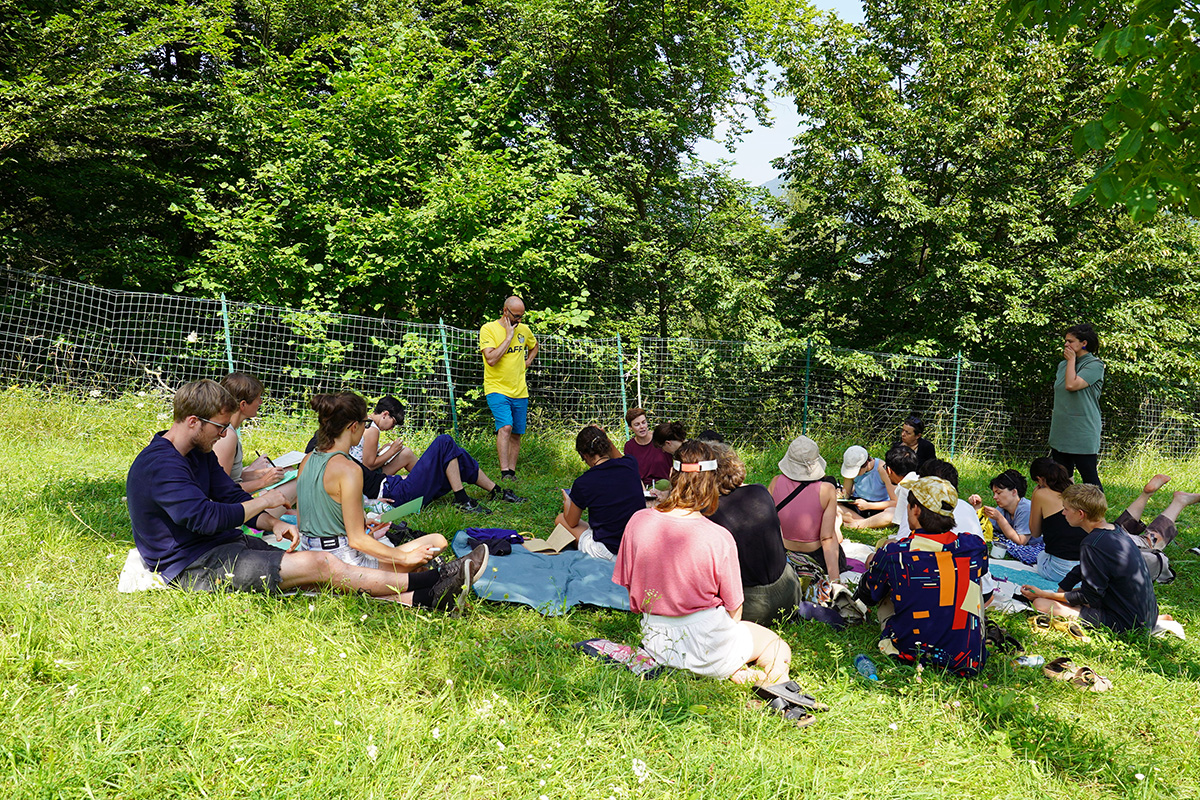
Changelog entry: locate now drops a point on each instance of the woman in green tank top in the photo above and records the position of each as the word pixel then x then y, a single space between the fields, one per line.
pixel 329 496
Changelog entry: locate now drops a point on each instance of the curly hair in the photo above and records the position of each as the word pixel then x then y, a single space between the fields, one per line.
pixel 731 470
pixel 693 491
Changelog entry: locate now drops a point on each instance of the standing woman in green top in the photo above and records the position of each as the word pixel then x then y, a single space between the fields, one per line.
pixel 1075 424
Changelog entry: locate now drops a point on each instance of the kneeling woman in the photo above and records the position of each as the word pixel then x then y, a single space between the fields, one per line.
pixel 683 576
pixel 610 491
pixel 329 494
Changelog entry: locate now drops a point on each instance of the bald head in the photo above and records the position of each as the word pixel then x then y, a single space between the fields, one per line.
pixel 514 305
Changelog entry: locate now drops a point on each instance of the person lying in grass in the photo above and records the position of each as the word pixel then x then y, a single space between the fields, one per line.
pixel 928 586
pixel 1114 587
pixel 329 493
pixel 186 514
pixel 387 415
pixel 1010 516
pixel 683 576
pixel 610 491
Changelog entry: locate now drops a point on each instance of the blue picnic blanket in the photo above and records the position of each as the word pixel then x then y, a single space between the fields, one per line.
pixel 549 583
pixel 1020 574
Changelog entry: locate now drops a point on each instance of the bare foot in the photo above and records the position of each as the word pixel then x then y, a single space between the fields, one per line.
pixel 1156 483
pixel 1165 617
pixel 1186 498
pixel 750 675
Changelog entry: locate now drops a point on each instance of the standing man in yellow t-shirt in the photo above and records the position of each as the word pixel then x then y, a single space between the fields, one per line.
pixel 509 347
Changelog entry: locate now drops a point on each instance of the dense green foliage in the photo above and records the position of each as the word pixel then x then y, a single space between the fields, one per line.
pixel 1147 131
pixel 418 160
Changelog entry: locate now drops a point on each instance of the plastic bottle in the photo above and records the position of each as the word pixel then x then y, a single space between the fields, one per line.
pixel 1029 661
pixel 865 667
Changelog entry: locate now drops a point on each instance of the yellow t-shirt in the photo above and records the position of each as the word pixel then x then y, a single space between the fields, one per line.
pixel 508 376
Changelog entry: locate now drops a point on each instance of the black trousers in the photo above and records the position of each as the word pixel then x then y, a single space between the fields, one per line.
pixel 1086 463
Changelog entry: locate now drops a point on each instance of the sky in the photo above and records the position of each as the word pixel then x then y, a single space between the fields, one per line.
pixel 754 153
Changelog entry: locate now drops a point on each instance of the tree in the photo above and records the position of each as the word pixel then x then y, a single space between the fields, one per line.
pixel 1148 130
pixel 930 200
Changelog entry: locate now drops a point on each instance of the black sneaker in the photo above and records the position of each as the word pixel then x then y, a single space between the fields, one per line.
pixel 473 506
pixel 507 495
pixel 456 578
pixel 504 476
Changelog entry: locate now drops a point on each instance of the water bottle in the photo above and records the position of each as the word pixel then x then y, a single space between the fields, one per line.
pixel 865 667
pixel 1029 661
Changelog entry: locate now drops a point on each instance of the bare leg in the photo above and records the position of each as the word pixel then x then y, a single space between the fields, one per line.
pixel 417 553
pixel 484 482
pixel 1180 501
pixel 514 449
pixel 405 460
pixel 771 655
pixel 318 568
pixel 502 446
pixel 453 475
pixel 1138 506
pixel 1055 608
pixel 576 530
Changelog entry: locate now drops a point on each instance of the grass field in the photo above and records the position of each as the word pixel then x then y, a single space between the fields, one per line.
pixel 167 694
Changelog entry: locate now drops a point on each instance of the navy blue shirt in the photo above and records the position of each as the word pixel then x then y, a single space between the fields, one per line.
pixel 611 493
pixel 1113 580
pixel 180 507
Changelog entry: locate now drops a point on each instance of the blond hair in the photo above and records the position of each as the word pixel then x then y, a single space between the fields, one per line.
pixel 203 398
pixel 731 470
pixel 693 491
pixel 1088 499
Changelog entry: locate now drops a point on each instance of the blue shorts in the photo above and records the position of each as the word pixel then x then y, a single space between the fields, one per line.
pixel 509 411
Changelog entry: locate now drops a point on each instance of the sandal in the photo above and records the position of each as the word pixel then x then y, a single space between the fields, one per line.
pixel 1000 640
pixel 789 692
pixel 1072 629
pixel 1060 669
pixel 1040 623
pixel 1086 679
pixel 797 716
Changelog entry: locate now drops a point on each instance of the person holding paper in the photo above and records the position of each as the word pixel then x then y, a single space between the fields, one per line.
pixel 389 460
pixel 331 509
pixel 247 390
pixel 610 491
pixel 186 513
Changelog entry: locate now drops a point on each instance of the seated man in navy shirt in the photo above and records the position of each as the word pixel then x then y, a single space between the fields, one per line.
pixel 187 513
pixel 1115 588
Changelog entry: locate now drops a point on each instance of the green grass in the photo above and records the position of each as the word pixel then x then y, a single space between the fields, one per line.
pixel 167 694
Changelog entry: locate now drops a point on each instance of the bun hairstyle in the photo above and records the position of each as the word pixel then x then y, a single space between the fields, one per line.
pixel 1011 479
pixel 693 491
pixel 1055 474
pixel 335 413
pixel 593 441
pixel 667 432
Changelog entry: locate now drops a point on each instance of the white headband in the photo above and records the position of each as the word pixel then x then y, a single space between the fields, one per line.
pixel 702 466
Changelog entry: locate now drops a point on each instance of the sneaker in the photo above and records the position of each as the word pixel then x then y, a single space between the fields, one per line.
pixel 507 495
pixel 456 578
pixel 473 506
pixel 504 476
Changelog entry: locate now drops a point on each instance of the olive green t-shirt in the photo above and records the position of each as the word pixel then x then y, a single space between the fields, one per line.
pixel 1075 423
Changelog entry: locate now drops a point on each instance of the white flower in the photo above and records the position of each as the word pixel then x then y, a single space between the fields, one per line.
pixel 193 337
pixel 163 415
pixel 476 778
pixel 94 393
pixel 372 752
pixel 72 689
pixel 894 726
pixel 542 782
pixel 337 723
pixel 311 607
pixel 141 394
pixel 500 745
pixel 640 770
pixel 1140 776
pixel 341 655
pixel 363 618
pixel 437 733
pixel 141 405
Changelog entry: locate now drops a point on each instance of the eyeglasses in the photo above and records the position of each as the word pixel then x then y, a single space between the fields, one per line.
pixel 514 317
pixel 223 428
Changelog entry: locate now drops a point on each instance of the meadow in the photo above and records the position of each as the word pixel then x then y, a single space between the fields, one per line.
pixel 166 694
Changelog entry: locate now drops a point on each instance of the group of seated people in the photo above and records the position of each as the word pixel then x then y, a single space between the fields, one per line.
pixel 709 564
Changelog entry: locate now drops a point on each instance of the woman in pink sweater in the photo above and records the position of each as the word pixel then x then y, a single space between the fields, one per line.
pixel 682 573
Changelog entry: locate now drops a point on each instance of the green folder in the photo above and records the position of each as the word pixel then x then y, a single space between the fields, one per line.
pixel 411 507
pixel 290 475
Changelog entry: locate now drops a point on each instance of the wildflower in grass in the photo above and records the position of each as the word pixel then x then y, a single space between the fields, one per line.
pixel 894 726
pixel 640 770
pixel 193 337
pixel 1140 776
pixel 94 393
pixel 437 733
pixel 372 752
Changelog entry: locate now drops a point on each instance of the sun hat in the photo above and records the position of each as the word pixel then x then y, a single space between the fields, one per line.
pixel 803 461
pixel 853 461
pixel 934 493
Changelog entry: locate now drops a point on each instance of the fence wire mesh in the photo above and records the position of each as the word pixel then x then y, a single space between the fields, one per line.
pixel 58 333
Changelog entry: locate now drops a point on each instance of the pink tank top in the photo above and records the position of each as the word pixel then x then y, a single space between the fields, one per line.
pixel 800 520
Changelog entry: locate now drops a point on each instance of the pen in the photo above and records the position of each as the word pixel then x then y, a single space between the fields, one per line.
pixel 268 458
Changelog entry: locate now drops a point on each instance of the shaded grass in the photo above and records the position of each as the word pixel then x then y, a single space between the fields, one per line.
pixel 167 694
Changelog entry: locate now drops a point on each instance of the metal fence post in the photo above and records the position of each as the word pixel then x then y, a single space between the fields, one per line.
pixel 621 373
pixel 639 376
pixel 449 380
pixel 807 378
pixel 228 339
pixel 954 415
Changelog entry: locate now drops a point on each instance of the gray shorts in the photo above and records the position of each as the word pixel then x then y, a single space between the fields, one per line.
pixel 249 565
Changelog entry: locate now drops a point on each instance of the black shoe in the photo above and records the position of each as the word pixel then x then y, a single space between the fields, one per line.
pixel 505 476
pixel 454 582
pixel 472 506
pixel 507 495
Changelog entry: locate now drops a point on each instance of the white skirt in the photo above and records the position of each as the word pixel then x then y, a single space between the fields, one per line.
pixel 706 642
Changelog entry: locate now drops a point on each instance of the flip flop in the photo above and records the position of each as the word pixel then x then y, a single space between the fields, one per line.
pixel 1085 678
pixel 1060 669
pixel 793 714
pixel 1072 629
pixel 790 692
